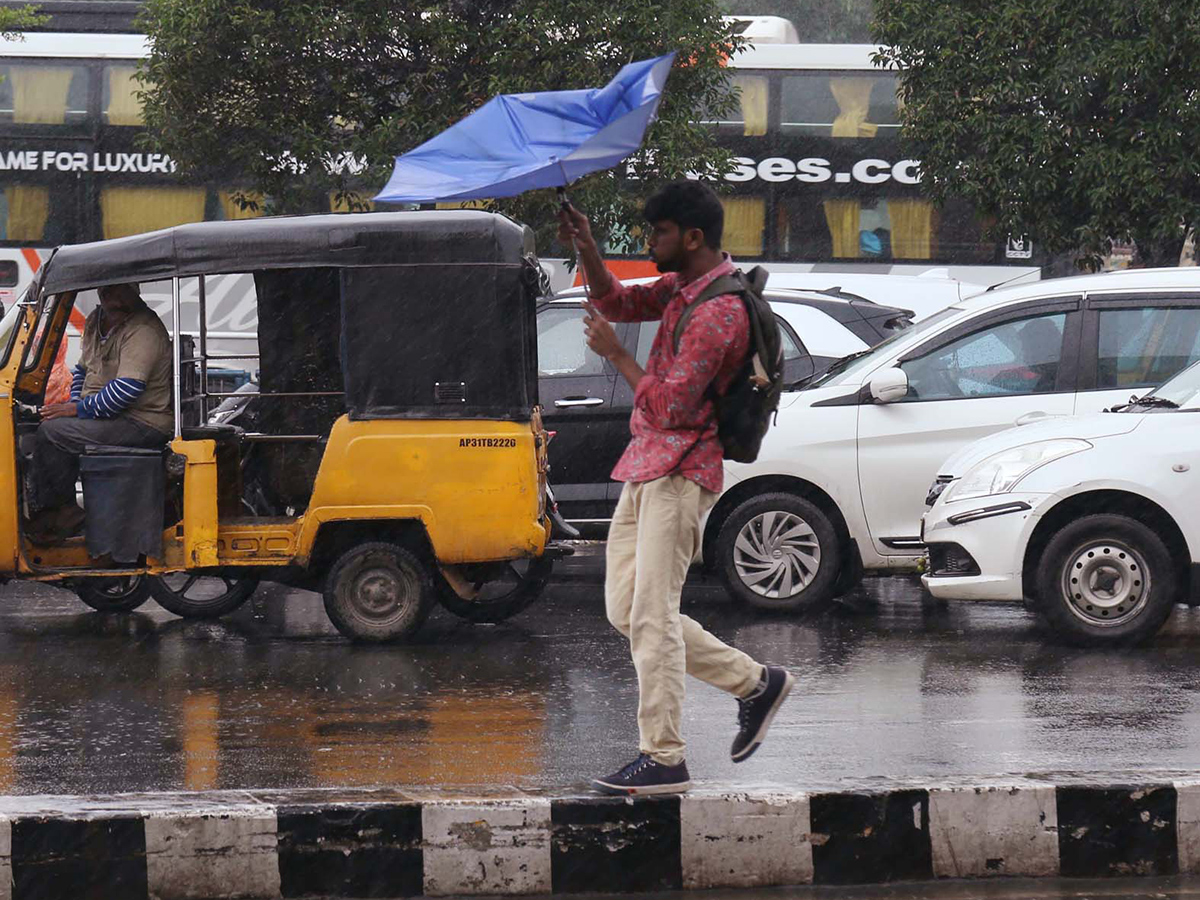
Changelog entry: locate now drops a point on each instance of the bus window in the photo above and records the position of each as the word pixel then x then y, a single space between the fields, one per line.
pixel 866 228
pixel 36 93
pixel 120 101
pixel 745 221
pixel 43 214
pixel 26 211
pixel 10 273
pixel 134 210
pixel 879 229
pixel 837 104
pixel 750 115
pixel 752 103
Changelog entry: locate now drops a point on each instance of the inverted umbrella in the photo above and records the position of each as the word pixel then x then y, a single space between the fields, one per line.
pixel 517 142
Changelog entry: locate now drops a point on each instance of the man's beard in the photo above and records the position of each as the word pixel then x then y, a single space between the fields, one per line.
pixel 666 265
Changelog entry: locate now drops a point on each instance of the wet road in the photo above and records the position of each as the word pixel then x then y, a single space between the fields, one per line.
pixel 1173 888
pixel 892 687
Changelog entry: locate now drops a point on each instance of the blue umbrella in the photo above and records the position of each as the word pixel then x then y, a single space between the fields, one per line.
pixel 516 142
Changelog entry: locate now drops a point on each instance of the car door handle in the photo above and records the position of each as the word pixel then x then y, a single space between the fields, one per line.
pixel 1030 417
pixel 578 401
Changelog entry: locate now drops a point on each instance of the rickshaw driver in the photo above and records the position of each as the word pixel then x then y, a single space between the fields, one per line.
pixel 120 396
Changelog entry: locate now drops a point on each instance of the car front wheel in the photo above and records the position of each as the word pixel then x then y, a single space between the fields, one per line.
pixel 1106 580
pixel 779 552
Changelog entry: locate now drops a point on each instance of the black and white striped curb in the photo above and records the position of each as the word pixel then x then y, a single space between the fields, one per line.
pixel 379 844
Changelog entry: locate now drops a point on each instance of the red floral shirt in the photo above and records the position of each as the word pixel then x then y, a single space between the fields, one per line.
pixel 674 426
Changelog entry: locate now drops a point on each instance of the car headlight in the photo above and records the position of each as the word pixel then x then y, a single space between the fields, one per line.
pixel 1001 472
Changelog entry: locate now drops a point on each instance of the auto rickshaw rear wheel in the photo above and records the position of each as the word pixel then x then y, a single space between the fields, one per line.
pixel 378 592
pixel 196 596
pixel 501 590
pixel 116 593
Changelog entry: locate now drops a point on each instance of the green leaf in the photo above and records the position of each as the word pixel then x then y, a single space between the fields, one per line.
pixel 1072 125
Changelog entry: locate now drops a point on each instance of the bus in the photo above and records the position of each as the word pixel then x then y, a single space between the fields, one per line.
pixel 72 170
pixel 820 182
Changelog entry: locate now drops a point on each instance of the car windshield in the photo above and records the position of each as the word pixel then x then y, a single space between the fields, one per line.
pixel 1183 390
pixel 847 367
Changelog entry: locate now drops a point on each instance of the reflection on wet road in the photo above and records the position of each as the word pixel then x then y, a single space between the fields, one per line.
pixel 891 687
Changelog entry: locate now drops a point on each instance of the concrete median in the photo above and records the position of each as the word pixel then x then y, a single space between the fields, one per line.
pixel 395 843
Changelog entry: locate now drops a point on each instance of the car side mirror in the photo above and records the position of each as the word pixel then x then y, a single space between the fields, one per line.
pixel 888 385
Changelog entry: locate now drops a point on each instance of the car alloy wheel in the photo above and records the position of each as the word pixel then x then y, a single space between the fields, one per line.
pixel 777 551
pixel 776 554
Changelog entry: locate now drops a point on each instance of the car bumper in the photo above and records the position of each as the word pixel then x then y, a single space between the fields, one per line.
pixel 976 548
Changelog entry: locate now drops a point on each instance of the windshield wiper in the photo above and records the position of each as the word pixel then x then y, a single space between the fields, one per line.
pixel 834 367
pixel 1152 400
pixel 841 362
pixel 1148 400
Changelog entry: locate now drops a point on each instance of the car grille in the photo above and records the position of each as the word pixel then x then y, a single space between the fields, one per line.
pixel 947 560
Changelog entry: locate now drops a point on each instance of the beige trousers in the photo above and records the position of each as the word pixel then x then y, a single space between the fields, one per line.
pixel 654 536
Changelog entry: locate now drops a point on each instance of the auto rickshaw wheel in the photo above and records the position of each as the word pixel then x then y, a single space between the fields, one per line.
pixel 196 596
pixel 378 592
pixel 511 588
pixel 116 593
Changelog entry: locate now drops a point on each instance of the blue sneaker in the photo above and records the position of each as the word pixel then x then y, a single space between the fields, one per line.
pixel 756 711
pixel 645 776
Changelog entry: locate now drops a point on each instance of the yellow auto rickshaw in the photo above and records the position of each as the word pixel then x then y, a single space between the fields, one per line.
pixel 396 457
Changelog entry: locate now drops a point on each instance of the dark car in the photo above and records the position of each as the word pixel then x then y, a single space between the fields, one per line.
pixel 587 404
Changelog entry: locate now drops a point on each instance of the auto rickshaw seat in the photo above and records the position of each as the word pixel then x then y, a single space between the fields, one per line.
pixel 123 498
pixel 228 439
pixel 211 432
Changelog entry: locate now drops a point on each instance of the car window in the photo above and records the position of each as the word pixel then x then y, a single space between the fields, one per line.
pixel 562 347
pixel 791 350
pixel 1019 356
pixel 646 332
pixel 822 334
pixel 1145 347
pixel 850 368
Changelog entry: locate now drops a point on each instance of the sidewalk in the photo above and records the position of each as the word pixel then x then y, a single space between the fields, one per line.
pixel 393 843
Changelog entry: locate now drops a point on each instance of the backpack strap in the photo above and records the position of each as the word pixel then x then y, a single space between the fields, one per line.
pixel 756 280
pixel 742 284
pixel 733 283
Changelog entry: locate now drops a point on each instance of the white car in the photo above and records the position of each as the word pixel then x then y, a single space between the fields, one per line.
pixel 841 479
pixel 924 294
pixel 1094 519
pixel 587 405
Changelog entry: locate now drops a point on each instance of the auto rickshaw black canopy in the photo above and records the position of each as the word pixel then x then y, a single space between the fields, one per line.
pixel 437 309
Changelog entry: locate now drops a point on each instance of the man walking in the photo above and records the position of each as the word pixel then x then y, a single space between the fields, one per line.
pixel 672 471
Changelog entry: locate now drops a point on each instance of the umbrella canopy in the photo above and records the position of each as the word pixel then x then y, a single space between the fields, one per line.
pixel 516 142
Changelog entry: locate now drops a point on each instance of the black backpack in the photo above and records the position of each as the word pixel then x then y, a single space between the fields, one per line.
pixel 744 411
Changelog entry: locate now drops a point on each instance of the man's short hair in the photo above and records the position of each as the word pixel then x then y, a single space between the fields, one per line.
pixel 128 288
pixel 689 204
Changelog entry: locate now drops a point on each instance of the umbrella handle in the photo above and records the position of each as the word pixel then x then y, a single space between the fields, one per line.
pixel 566 204
pixel 587 290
